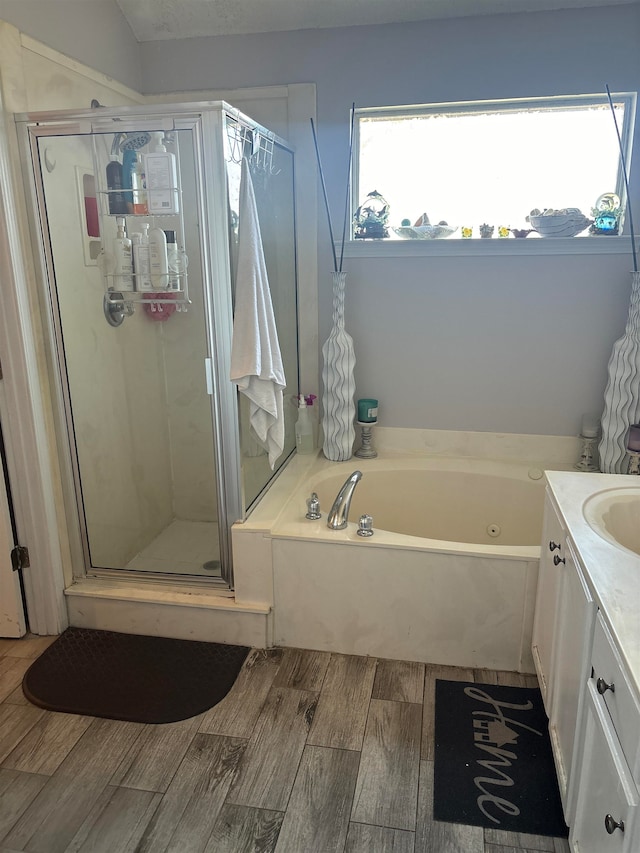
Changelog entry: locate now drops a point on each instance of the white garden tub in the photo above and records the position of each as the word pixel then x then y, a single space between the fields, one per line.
pixel 449 576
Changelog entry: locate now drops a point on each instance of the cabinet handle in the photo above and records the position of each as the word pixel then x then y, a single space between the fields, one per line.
pixel 557 560
pixel 553 545
pixel 611 824
pixel 602 686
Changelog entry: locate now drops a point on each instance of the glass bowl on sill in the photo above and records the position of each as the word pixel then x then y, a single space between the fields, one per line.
pixel 424 232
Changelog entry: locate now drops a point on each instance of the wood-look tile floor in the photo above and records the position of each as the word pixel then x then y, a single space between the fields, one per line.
pixel 310 752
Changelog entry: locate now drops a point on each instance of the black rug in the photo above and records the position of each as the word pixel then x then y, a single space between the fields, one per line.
pixel 130 677
pixel 493 762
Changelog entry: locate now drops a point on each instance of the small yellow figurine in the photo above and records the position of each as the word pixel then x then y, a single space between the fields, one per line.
pixel 467 231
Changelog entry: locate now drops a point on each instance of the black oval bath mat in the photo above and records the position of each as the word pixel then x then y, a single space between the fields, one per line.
pixel 130 677
pixel 493 762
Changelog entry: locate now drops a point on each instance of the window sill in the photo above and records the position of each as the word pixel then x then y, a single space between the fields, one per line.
pixel 494 247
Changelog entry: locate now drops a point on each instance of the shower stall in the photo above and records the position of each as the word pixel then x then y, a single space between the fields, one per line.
pixel 156 448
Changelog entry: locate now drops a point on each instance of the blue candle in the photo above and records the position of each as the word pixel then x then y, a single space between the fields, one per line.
pixel 367 411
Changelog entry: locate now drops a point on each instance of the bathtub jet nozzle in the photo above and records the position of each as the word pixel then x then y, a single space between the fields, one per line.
pixel 339 513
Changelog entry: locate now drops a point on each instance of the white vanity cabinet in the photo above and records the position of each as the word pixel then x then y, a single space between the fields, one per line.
pixel 607 772
pixel 570 668
pixel 586 646
pixel 552 552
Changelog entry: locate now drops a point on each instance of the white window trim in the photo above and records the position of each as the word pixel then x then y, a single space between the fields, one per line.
pixel 456 247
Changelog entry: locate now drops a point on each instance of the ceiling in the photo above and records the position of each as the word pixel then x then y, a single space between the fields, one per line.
pixel 155 20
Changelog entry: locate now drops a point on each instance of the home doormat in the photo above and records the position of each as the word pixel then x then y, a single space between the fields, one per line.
pixel 493 762
pixel 130 677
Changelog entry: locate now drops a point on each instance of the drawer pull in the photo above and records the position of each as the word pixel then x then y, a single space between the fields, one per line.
pixel 557 560
pixel 553 545
pixel 602 686
pixel 611 824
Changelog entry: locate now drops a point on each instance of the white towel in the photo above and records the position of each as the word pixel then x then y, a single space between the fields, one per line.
pixel 256 362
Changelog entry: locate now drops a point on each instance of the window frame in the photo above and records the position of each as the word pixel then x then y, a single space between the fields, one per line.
pixel 455 245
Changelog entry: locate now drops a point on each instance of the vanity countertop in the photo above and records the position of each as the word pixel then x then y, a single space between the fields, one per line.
pixel 612 572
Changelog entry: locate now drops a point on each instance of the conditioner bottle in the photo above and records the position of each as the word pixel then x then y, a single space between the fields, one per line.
pixel 158 265
pixel 122 259
pixel 141 260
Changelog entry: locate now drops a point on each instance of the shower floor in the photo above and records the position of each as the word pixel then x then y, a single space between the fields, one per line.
pixel 181 549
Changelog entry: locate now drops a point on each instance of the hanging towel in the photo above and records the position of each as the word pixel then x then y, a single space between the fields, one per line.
pixel 256 362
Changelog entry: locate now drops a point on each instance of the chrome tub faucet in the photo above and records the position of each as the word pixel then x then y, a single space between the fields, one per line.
pixel 339 513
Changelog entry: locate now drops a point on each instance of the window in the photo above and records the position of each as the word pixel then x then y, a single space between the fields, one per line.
pixel 490 163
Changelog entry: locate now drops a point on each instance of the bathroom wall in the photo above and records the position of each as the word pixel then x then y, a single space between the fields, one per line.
pixel 507 344
pixel 93 32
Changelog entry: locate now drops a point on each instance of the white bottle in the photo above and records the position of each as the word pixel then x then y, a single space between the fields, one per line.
pixel 158 267
pixel 304 428
pixel 122 259
pixel 162 178
pixel 141 260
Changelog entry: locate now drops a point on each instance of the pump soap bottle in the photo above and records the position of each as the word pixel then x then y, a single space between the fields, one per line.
pixel 162 178
pixel 304 428
pixel 122 256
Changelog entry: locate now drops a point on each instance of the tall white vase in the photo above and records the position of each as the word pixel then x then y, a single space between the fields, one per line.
pixel 622 394
pixel 338 408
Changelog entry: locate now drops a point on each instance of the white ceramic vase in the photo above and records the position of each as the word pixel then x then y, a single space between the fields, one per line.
pixel 338 408
pixel 622 394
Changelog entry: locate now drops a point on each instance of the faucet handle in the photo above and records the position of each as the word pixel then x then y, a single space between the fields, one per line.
pixel 313 507
pixel 365 526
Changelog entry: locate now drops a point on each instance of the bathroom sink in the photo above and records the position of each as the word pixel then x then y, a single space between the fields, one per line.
pixel 615 516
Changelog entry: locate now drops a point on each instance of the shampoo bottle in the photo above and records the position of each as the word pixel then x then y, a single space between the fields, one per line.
pixel 141 261
pixel 122 258
pixel 158 266
pixel 117 202
pixel 304 428
pixel 162 178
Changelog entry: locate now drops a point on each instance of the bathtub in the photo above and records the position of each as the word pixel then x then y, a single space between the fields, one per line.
pixel 449 576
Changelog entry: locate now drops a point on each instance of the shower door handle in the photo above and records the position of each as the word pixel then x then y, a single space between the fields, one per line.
pixel 208 370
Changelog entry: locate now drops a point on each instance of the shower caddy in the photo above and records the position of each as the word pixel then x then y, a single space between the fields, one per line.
pixel 120 300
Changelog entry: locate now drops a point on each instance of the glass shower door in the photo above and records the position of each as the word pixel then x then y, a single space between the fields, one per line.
pixel 131 351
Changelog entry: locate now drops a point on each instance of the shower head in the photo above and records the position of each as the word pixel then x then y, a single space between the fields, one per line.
pixel 130 141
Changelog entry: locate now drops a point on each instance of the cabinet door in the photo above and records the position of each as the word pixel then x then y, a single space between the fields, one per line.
pixel 551 552
pixel 607 809
pixel 570 668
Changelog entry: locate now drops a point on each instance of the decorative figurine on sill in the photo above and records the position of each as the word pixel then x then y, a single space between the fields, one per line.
pixel 486 230
pixel 606 215
pixel 503 231
pixel 371 218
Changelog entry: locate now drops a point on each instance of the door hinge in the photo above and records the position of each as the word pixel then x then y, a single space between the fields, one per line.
pixel 20 558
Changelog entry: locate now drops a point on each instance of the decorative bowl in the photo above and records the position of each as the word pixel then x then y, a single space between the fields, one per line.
pixel 559 225
pixel 424 232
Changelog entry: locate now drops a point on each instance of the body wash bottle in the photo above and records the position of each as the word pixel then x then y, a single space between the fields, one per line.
pixel 162 178
pixel 158 266
pixel 122 258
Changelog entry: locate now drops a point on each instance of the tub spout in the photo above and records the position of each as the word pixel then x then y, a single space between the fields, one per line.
pixel 339 513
